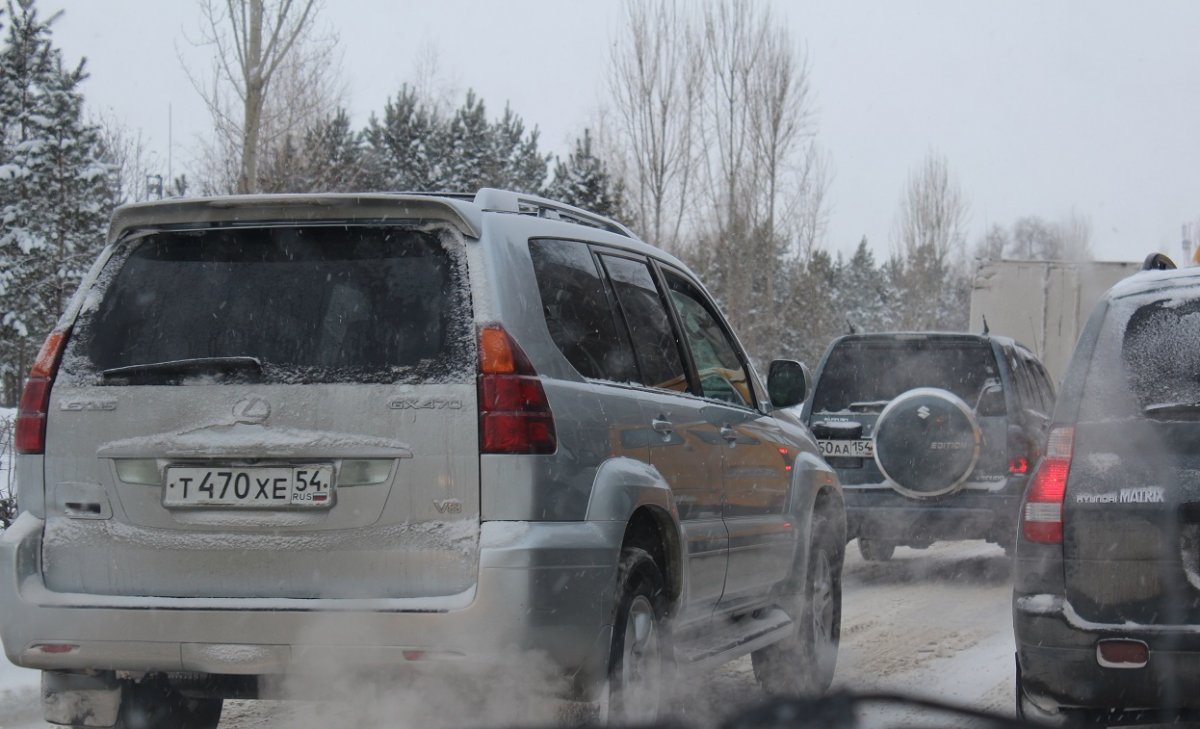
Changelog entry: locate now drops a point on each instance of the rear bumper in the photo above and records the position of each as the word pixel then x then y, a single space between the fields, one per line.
pixel 544 591
pixel 879 512
pixel 1056 653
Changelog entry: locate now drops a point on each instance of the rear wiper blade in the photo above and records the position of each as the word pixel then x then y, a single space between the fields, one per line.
pixel 867 406
pixel 1173 408
pixel 197 365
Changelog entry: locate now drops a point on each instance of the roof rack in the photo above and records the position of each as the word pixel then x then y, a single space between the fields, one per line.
pixel 505 201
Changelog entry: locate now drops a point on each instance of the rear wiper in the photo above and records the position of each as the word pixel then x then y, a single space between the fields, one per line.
pixel 197 365
pixel 1173 408
pixel 867 406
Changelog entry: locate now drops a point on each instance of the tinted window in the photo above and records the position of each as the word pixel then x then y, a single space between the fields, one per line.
pixel 865 375
pixel 722 376
pixel 649 325
pixel 577 311
pixel 312 304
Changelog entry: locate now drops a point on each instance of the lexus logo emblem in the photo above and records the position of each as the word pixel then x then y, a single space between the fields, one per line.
pixel 922 412
pixel 251 410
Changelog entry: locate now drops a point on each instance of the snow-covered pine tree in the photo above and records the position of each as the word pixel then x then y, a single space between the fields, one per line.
pixel 333 156
pixel 470 161
pixel 864 299
pixel 518 163
pixel 584 180
pixel 404 149
pixel 54 187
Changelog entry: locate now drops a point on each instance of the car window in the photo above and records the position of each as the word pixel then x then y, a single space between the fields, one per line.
pixel 1046 386
pixel 867 373
pixel 645 314
pixel 722 375
pixel 578 313
pixel 1160 355
pixel 312 304
pixel 1026 391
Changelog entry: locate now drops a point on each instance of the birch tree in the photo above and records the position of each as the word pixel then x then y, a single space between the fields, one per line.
pixel 655 84
pixel 272 77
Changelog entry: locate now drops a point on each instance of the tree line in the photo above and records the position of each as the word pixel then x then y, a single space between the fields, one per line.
pixel 708 145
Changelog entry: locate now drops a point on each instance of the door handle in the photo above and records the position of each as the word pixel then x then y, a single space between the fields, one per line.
pixel 663 427
pixel 729 434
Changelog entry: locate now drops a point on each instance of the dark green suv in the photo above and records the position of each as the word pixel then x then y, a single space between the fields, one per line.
pixel 931 434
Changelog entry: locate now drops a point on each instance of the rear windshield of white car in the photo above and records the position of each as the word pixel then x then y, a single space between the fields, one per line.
pixel 277 305
pixel 864 375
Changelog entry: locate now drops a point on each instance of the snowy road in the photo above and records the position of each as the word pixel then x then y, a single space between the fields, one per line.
pixel 933 622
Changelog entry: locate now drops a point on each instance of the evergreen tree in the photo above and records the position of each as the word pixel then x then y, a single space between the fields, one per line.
pixel 333 156
pixel 864 295
pixel 54 187
pixel 328 157
pixel 584 181
pixel 403 150
pixel 471 160
pixel 518 163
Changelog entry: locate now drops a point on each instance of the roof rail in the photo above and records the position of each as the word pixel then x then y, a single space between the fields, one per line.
pixel 505 201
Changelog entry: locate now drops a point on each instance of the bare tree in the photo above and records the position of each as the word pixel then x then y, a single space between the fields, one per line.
pixel 1075 232
pixel 655 85
pixel 272 74
pixel 715 119
pixel 933 213
pixel 930 243
pixel 136 169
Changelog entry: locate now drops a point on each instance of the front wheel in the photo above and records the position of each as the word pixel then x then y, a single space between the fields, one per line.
pixel 637 664
pixel 803 663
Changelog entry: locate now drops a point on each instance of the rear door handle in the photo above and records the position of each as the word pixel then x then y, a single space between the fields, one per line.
pixel 663 427
pixel 729 434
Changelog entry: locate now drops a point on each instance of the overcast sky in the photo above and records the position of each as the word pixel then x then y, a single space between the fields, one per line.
pixel 1040 108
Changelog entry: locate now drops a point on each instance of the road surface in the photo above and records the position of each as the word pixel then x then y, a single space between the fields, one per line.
pixel 932 622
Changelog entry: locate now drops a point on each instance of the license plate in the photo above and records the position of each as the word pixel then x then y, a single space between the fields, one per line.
pixel 258 487
pixel 847 448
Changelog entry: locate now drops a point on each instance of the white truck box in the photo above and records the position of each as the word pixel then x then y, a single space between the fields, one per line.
pixel 1042 304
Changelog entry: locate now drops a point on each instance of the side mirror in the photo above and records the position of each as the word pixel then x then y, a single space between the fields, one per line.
pixel 787 383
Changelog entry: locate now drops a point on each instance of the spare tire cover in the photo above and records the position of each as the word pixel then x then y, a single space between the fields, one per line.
pixel 927 442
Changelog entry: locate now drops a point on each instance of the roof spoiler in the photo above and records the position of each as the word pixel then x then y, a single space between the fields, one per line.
pixel 295 208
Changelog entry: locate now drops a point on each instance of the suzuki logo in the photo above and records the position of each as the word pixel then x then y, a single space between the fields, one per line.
pixel 922 412
pixel 251 410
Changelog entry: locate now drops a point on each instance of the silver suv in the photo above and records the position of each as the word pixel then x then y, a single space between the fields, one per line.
pixel 279 434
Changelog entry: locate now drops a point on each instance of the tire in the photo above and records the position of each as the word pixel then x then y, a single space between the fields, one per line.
pixel 803 663
pixel 927 443
pixel 876 550
pixel 637 665
pixel 155 705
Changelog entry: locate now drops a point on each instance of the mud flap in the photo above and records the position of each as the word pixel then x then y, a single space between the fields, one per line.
pixel 80 699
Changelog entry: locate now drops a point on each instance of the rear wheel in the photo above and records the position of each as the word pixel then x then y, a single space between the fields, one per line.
pixel 637 666
pixel 803 664
pixel 876 550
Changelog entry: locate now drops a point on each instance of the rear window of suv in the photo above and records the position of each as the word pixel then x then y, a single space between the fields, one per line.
pixel 298 304
pixel 865 375
pixel 1147 359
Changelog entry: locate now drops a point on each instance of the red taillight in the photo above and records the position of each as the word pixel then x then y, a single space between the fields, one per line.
pixel 56 647
pixel 514 414
pixel 1042 517
pixel 35 399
